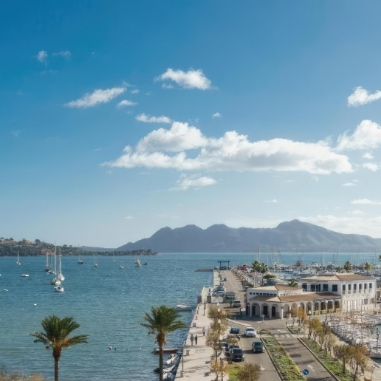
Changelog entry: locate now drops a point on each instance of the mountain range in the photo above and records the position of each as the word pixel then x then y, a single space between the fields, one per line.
pixel 292 236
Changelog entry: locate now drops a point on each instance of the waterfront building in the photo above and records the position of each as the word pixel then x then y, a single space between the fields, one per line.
pixel 316 295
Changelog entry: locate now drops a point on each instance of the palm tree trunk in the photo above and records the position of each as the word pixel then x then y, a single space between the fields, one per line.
pixel 56 370
pixel 160 362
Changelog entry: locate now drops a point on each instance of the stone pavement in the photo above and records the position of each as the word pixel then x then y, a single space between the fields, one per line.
pixel 195 364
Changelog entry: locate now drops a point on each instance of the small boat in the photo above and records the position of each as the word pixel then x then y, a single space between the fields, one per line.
pixel 166 350
pixel 183 307
pixel 24 275
pixel 59 289
pixel 18 260
pixel 80 261
pixel 137 262
pixel 121 266
pixel 95 263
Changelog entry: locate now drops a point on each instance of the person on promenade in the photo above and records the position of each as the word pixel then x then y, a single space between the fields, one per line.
pixel 195 339
pixel 203 331
pixel 191 338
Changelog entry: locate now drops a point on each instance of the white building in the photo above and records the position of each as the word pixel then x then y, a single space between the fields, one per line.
pixel 316 295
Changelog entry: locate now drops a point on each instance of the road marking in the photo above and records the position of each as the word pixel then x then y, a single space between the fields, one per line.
pixel 311 367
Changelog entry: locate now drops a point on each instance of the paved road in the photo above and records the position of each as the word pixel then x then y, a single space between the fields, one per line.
pixel 268 371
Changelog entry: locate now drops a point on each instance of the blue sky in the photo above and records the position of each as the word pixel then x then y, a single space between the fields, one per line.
pixel 120 118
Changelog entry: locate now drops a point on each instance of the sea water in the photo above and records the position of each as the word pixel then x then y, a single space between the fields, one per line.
pixel 109 303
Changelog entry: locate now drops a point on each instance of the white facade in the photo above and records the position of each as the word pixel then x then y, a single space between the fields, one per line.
pixel 318 294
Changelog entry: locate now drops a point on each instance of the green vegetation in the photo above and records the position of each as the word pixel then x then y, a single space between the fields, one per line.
pixel 321 342
pixel 329 362
pixel 282 360
pixel 10 247
pixel 162 321
pixel 56 336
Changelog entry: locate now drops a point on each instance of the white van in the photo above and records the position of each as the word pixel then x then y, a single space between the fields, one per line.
pixel 237 303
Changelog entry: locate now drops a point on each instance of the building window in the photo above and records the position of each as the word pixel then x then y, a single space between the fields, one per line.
pixel 365 286
pixel 354 288
pixel 370 286
pixel 313 287
pixel 349 288
pixel 304 286
pixel 318 288
pixel 360 287
pixel 334 288
pixel 325 287
pixel 343 289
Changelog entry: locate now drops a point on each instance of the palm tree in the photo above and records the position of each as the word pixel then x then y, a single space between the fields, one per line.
pixel 56 336
pixel 347 266
pixel 367 267
pixel 162 321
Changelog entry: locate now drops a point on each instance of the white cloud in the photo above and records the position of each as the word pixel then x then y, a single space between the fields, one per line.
pixel 350 184
pixel 231 152
pixel 96 97
pixel 185 183
pixel 192 79
pixel 216 115
pixel 125 103
pixel 351 224
pixel 371 166
pixel 62 53
pixel 366 136
pixel 152 119
pixel 365 201
pixel 367 156
pixel 135 91
pixel 360 97
pixel 273 201
pixel 356 212
pixel 42 56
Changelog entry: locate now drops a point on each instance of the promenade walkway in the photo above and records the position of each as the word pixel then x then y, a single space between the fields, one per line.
pixel 195 364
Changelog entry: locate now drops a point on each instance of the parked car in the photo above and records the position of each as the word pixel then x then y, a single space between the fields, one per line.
pixel 257 346
pixel 250 332
pixel 237 303
pixel 236 354
pixel 235 331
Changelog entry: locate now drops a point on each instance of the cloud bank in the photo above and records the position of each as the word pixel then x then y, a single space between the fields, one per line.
pixel 185 148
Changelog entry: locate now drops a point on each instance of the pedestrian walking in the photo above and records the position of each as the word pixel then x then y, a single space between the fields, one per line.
pixel 195 339
pixel 191 339
pixel 203 331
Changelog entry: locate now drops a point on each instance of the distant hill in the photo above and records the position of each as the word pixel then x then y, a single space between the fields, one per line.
pixel 286 237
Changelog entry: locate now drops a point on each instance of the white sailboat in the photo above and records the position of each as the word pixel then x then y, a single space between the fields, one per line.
pixel 18 260
pixel 95 263
pixel 80 261
pixel 60 276
pixel 137 262
pixel 59 288
pixel 55 281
